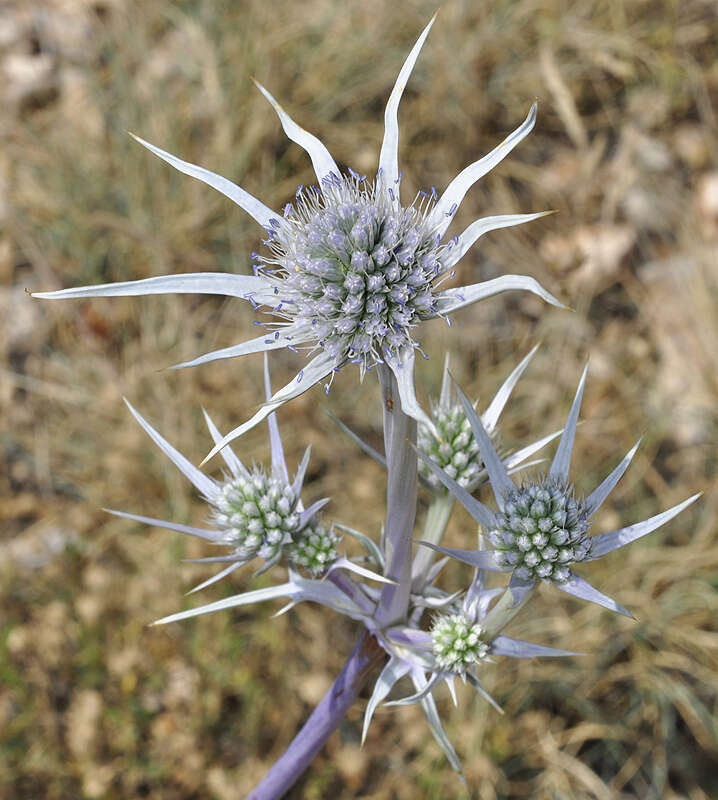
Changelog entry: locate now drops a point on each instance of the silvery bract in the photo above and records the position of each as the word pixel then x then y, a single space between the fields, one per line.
pixel 451 444
pixel 349 271
pixel 257 513
pixel 541 529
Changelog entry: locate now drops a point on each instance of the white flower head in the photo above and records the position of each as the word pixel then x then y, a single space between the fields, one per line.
pixel 256 513
pixel 349 270
pixel 457 642
pixel 458 645
pixel 314 549
pixel 455 451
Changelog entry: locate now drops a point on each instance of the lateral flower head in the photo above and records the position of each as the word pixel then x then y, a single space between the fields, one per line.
pixel 457 645
pixel 452 447
pixel 258 513
pixel 314 549
pixel 351 270
pixel 541 529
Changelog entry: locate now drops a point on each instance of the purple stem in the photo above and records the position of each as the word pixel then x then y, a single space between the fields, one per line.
pixel 323 720
pixel 352 590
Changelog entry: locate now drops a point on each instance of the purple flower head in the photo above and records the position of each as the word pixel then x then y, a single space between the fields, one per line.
pixel 367 256
pixel 349 270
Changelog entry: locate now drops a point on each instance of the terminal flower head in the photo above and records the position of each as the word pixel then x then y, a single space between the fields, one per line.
pixel 349 270
pixel 541 530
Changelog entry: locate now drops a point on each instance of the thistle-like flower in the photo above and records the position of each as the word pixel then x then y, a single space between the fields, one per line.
pixel 349 270
pixel 255 512
pixel 541 529
pixel 314 549
pixel 451 444
pixel 458 644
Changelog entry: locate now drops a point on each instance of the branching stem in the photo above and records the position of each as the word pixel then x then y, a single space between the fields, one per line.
pixel 401 462
pixel 437 518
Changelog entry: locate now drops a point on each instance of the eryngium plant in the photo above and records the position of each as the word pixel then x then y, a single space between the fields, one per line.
pixel 348 273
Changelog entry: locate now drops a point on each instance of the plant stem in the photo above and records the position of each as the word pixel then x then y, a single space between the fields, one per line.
pixel 352 590
pixel 506 608
pixel 401 495
pixel 437 518
pixel 322 721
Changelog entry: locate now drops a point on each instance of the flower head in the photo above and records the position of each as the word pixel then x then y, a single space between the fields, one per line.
pixel 457 645
pixel 257 513
pixel 314 548
pixel 451 445
pixel 541 529
pixel 454 450
pixel 457 642
pixel 353 271
pixel 350 270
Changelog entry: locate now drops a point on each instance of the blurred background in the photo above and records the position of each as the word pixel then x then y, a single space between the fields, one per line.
pixel 93 702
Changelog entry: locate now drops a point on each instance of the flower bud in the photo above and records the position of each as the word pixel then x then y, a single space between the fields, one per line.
pixel 457 643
